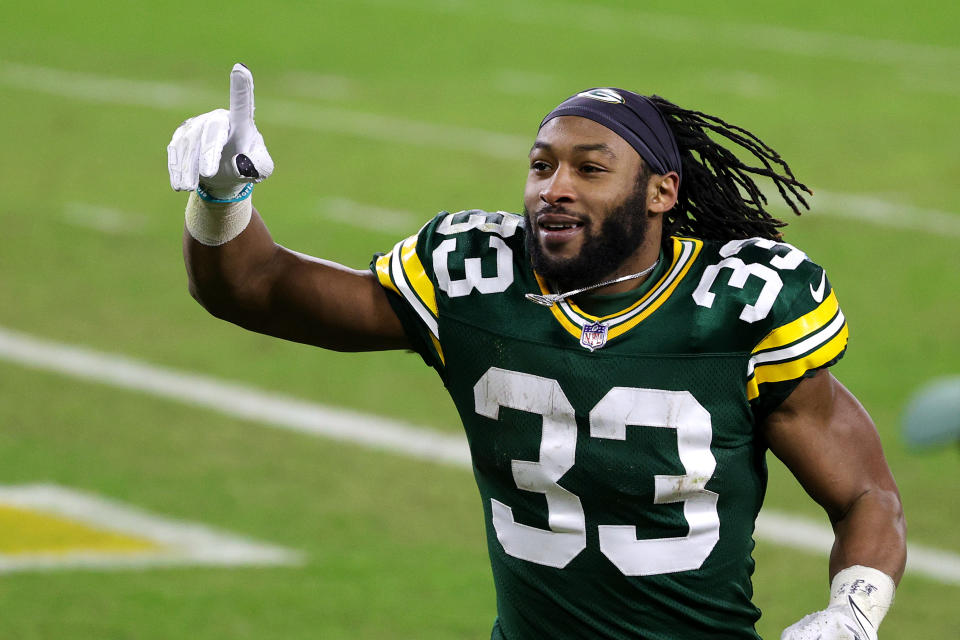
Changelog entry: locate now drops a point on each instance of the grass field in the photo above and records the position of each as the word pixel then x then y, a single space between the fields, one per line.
pixel 378 114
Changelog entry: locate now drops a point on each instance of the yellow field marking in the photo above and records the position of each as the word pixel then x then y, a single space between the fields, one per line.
pixel 28 531
pixel 46 527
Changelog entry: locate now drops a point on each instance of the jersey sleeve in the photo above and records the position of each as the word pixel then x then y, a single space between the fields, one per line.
pixel 411 290
pixel 809 333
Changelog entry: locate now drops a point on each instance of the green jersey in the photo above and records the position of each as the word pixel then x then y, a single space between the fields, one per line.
pixel 617 456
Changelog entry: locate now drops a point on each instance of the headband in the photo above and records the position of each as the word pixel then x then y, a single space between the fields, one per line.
pixel 632 117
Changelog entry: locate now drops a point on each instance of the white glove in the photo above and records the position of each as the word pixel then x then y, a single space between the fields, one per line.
pixel 859 599
pixel 221 151
pixel 840 622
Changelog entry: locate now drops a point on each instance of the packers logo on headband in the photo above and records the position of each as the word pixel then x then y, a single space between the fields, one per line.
pixel 603 95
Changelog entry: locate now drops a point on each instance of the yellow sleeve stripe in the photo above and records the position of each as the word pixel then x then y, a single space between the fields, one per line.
pixel 802 326
pixel 436 345
pixel 795 368
pixel 416 275
pixel 383 273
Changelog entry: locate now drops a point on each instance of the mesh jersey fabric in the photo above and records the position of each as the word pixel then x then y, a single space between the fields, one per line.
pixel 621 482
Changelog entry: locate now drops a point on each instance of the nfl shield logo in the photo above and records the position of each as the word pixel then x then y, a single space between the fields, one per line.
pixel 594 336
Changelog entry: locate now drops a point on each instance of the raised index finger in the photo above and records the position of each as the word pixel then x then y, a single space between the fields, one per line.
pixel 241 97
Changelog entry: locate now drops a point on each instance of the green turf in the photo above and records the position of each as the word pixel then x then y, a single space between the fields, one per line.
pixel 859 97
pixel 388 540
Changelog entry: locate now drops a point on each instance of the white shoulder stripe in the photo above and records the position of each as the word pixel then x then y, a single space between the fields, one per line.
pixel 400 279
pixel 800 348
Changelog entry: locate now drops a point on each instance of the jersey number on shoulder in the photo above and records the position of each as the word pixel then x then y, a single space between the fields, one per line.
pixel 790 259
pixel 609 419
pixel 473 278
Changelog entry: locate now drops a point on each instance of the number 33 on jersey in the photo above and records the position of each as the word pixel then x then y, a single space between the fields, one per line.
pixel 622 471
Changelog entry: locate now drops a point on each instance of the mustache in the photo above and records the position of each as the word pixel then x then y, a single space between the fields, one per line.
pixel 559 209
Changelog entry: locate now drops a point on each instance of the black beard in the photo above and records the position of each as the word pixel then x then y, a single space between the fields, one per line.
pixel 602 254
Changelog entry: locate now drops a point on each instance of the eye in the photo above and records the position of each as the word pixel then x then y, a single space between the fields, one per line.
pixel 592 168
pixel 539 166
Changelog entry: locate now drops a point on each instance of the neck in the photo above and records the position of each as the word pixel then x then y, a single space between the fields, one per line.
pixel 643 258
pixel 550 299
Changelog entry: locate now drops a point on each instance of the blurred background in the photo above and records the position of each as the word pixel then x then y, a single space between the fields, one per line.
pixel 380 113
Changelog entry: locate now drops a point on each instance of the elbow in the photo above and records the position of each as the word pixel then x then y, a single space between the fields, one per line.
pixel 883 509
pixel 889 501
pixel 882 500
pixel 214 300
pixel 891 505
pixel 232 287
pixel 194 291
pixel 896 511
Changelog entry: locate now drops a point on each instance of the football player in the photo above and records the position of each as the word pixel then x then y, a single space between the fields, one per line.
pixel 622 356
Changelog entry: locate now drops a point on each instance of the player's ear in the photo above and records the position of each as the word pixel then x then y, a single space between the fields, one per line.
pixel 662 192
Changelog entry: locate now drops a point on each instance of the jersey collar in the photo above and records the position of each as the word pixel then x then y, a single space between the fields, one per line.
pixel 572 318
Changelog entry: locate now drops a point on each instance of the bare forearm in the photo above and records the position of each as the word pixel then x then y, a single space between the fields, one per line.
pixel 256 284
pixel 871 533
pixel 827 439
pixel 231 276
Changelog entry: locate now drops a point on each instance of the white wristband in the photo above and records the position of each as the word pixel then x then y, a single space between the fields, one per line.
pixel 869 589
pixel 216 223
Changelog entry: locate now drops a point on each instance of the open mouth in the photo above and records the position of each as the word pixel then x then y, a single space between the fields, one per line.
pixel 557 227
pixel 560 226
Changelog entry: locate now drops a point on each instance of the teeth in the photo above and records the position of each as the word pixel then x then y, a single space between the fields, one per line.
pixel 558 227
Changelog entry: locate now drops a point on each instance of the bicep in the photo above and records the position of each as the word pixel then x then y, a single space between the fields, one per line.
pixel 828 441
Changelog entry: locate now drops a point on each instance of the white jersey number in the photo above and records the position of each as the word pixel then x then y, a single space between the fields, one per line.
pixel 473 278
pixel 620 407
pixel 772 284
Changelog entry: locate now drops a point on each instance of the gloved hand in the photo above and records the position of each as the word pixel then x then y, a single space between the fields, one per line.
pixel 221 151
pixel 837 622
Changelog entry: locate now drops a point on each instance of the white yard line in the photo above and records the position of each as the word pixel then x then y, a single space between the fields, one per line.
pixel 871 210
pixel 725 33
pixel 886 214
pixel 185 100
pixel 807 535
pixel 366 216
pixel 516 82
pixel 319 86
pixel 178 543
pixel 107 220
pixel 233 399
pixel 273 410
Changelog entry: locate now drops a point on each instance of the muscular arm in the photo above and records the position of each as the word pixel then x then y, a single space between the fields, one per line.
pixel 259 285
pixel 825 437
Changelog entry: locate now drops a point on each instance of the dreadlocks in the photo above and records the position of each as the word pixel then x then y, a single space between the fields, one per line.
pixel 718 198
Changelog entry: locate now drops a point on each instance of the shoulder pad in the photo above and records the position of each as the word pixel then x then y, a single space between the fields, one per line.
pixel 753 278
pixel 500 223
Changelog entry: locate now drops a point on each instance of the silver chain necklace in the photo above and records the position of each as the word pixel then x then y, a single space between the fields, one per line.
pixel 550 299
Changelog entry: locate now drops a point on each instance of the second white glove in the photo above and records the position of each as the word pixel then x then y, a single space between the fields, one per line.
pixel 839 622
pixel 859 599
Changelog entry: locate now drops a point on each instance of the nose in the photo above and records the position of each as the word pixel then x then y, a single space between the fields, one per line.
pixel 559 188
